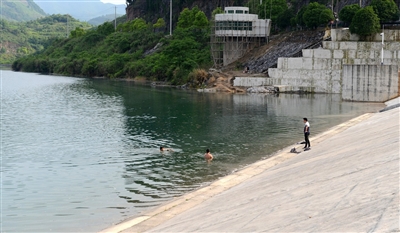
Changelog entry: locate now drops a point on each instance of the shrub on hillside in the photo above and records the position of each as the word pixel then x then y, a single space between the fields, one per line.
pixel 365 22
pixel 387 10
pixel 347 13
pixel 198 77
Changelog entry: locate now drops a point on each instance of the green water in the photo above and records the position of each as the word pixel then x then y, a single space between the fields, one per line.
pixel 81 155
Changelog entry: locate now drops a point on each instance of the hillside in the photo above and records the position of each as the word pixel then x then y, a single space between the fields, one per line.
pixel 139 48
pixel 160 8
pixel 101 19
pixel 18 11
pixel 81 10
pixel 19 39
pixel 136 49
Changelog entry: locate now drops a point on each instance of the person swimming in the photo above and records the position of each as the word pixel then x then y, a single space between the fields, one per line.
pixel 208 156
pixel 165 149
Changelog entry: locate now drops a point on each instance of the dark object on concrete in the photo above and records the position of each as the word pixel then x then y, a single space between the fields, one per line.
pixel 390 107
pixel 294 151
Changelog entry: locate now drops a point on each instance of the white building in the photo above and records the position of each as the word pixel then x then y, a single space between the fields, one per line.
pixel 235 32
pixel 236 21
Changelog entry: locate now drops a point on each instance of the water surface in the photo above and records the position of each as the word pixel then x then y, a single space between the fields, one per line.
pixel 81 155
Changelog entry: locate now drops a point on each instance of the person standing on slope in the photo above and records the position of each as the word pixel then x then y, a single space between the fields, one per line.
pixel 306 133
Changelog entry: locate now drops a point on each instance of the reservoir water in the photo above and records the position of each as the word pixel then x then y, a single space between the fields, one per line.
pixel 81 154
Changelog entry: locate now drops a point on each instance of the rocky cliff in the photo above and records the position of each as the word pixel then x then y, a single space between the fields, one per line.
pixel 152 10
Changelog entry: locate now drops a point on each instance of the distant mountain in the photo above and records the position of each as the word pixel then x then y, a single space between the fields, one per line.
pixel 101 19
pixel 82 10
pixel 19 39
pixel 22 10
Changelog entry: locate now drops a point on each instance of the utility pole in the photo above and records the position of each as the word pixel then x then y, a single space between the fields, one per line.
pixel 337 13
pixel 270 10
pixel 115 19
pixel 333 16
pixel 383 39
pixel 170 17
pixel 67 25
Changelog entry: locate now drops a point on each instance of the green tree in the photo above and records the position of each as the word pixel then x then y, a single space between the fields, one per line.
pixel 200 20
pixel 78 32
pixel 134 25
pixel 266 11
pixel 347 13
pixel 299 16
pixel 365 22
pixel 284 20
pixel 194 18
pixel 325 16
pixel 316 14
pixel 139 24
pixel 386 10
pixel 106 28
pixel 186 18
pixel 217 10
pixel 160 23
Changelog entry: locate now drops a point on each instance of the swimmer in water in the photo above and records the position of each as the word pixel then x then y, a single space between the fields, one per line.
pixel 208 156
pixel 165 149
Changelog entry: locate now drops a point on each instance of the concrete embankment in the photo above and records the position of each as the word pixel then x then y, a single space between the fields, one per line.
pixel 348 181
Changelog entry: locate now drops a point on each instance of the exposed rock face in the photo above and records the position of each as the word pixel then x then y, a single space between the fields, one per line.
pixel 154 9
pixel 136 10
pixel 289 47
pixel 160 8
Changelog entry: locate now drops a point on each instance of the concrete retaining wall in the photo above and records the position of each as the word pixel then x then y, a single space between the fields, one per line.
pixel 376 83
pixel 353 45
pixel 321 81
pixel 232 51
pixel 343 34
pixel 235 48
pixel 305 63
pixel 375 61
pixel 322 70
pixel 250 81
pixel 353 54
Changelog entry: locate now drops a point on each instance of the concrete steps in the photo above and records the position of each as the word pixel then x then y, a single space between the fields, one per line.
pixel 321 69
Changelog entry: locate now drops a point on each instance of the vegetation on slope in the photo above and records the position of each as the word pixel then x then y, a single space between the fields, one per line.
pixel 140 48
pixel 102 19
pixel 19 39
pixel 127 52
pixel 18 11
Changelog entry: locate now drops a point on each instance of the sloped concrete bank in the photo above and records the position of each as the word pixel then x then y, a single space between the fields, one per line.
pixel 348 181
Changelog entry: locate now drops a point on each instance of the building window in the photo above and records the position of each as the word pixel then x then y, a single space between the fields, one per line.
pixel 234 25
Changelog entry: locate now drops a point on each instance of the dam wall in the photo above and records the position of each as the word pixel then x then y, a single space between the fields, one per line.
pixel 373 83
pixel 322 70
